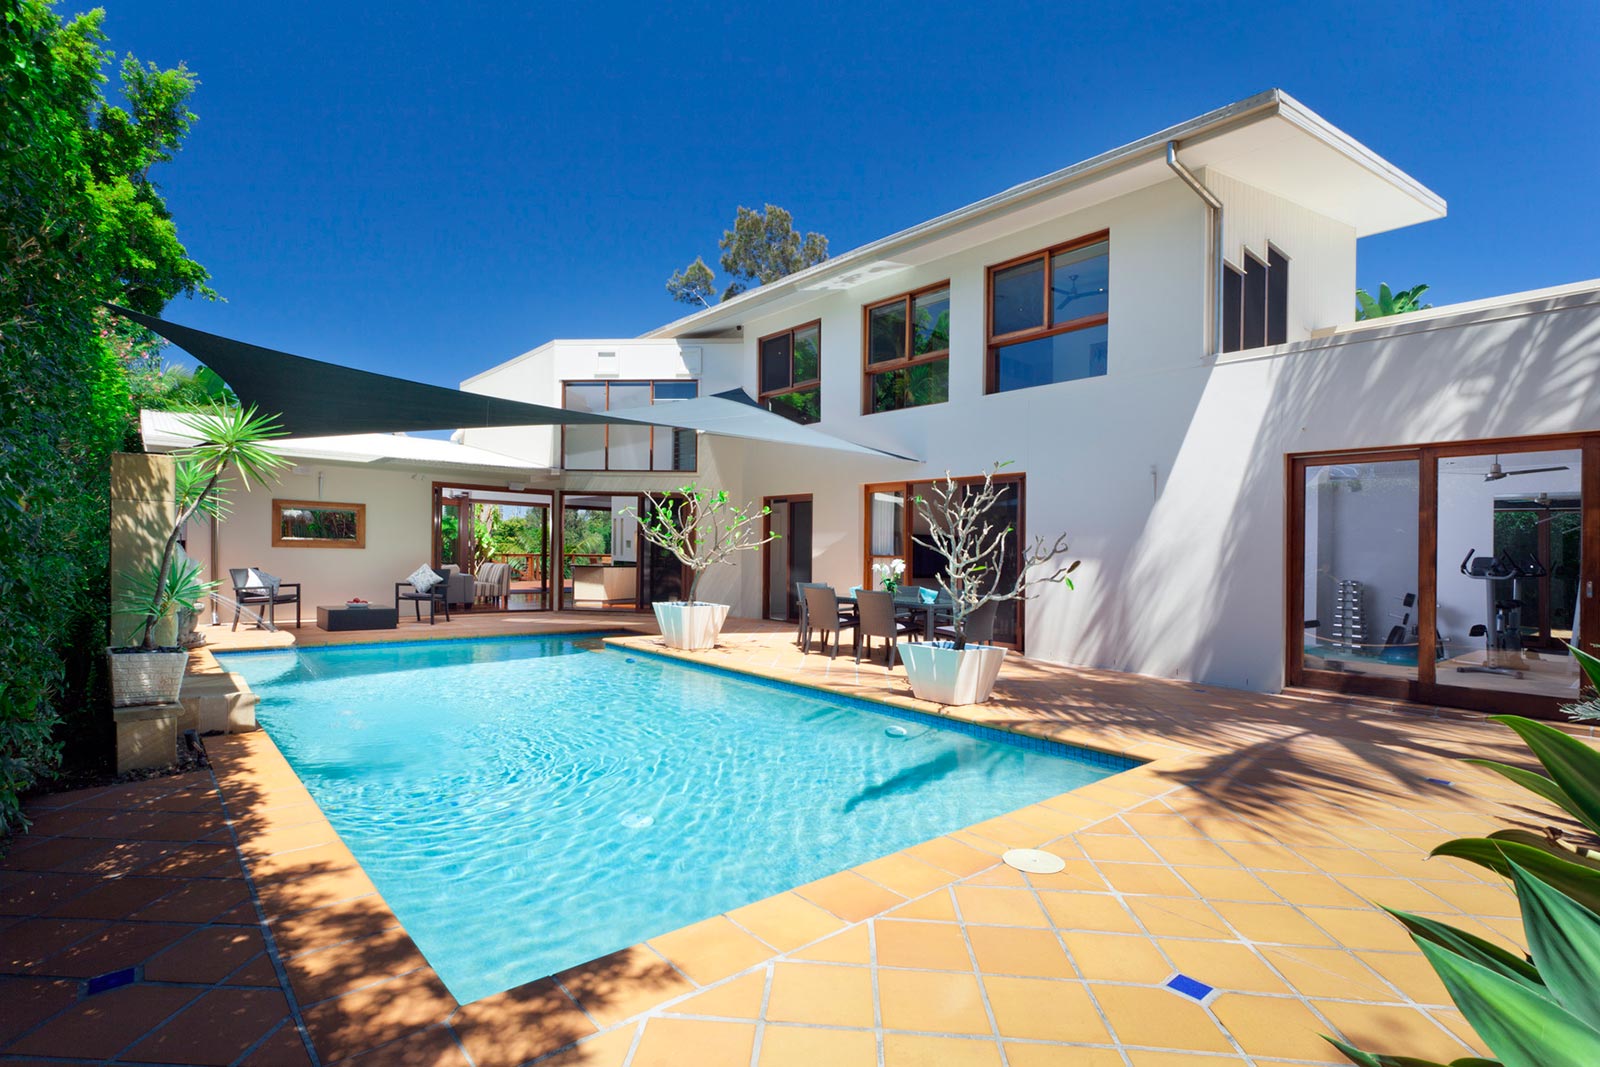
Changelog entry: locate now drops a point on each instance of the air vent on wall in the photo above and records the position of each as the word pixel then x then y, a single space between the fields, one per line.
pixel 605 365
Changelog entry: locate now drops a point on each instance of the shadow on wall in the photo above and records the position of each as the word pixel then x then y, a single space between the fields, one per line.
pixel 1198 593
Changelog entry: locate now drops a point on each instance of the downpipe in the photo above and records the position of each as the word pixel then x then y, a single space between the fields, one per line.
pixel 1214 210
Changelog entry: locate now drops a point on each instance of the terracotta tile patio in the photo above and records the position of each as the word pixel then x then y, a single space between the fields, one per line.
pixel 1245 855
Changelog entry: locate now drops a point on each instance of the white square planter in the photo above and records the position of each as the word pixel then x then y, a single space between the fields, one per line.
pixel 938 673
pixel 139 677
pixel 690 627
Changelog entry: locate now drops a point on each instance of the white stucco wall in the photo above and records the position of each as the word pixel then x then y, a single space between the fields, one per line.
pixel 1168 471
pixel 399 535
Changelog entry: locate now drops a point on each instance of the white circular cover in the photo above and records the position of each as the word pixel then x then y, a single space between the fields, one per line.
pixel 1033 861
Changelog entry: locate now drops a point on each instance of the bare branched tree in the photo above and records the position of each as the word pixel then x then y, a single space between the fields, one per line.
pixel 700 527
pixel 961 528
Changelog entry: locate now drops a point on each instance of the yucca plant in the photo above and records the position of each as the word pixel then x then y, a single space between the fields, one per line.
pixel 1542 1010
pixel 229 436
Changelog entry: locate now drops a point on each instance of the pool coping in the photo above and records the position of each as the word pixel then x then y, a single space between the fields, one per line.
pixel 550 1014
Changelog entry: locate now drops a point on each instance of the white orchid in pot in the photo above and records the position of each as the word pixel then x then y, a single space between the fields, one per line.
pixel 963 531
pixel 702 528
pixel 889 575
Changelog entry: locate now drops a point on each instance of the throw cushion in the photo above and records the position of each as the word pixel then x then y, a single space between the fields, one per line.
pixel 423 578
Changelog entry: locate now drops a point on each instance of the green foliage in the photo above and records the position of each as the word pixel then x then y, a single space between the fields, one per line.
pixel 702 528
pixel 230 437
pixel 1589 707
pixel 1389 303
pixel 694 284
pixel 762 247
pixel 1540 1011
pixel 145 587
pixel 81 221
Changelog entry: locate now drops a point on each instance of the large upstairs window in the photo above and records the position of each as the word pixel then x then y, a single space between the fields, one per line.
pixel 908 350
pixel 1048 315
pixel 791 372
pixel 626 448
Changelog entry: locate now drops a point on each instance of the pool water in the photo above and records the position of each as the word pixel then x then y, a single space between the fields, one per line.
pixel 526 805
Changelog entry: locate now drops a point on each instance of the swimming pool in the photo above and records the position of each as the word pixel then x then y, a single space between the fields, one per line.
pixel 528 804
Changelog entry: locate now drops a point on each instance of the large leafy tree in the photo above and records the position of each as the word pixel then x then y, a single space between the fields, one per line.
pixel 82 221
pixel 762 247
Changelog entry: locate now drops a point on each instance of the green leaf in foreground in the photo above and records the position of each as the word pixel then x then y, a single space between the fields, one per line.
pixel 1521 1027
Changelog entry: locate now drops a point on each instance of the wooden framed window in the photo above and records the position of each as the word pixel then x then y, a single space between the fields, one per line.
pixel 318 524
pixel 1049 315
pixel 906 350
pixel 1255 302
pixel 791 372
pixel 626 448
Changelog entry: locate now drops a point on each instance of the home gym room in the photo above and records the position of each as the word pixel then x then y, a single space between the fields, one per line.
pixel 1502 583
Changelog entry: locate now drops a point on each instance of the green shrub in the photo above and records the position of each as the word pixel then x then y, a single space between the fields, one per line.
pixel 80 223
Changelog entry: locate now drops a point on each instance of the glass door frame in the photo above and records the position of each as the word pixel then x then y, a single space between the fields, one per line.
pixel 558 524
pixel 769 506
pixel 542 498
pixel 907 518
pixel 1426 688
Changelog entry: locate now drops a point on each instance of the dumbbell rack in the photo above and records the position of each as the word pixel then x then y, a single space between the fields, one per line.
pixel 1349 616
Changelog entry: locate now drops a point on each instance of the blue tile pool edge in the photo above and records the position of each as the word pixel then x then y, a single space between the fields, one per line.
pixel 420 642
pixel 1112 761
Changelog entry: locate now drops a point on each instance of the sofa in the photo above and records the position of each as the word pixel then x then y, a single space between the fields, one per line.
pixel 461 591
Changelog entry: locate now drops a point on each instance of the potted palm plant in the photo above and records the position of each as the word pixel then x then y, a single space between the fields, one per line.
pixel 144 672
pixel 702 528
pixel 961 530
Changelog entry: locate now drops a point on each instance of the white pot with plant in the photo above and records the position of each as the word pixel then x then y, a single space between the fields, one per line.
pixel 701 528
pixel 973 547
pixel 144 672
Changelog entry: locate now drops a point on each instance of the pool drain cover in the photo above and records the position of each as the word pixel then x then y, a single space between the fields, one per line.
pixel 1034 861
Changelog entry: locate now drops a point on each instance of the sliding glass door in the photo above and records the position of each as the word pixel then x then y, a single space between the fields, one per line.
pixel 897 528
pixel 1445 574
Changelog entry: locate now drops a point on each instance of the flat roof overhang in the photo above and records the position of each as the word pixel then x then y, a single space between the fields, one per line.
pixel 1270 141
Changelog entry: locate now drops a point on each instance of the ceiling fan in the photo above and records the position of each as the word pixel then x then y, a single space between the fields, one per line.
pixel 1497 472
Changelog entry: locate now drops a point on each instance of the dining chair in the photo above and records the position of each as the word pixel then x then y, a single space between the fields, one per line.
pixel 875 617
pixel 823 614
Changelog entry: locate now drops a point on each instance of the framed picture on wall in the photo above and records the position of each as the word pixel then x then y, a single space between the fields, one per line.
pixel 318 524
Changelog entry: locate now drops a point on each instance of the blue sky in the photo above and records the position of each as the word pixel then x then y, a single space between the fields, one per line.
pixel 428 189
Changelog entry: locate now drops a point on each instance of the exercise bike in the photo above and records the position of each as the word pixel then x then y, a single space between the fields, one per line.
pixel 1501 629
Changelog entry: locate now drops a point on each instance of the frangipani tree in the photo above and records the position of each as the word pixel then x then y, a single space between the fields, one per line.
pixel 962 530
pixel 229 436
pixel 702 528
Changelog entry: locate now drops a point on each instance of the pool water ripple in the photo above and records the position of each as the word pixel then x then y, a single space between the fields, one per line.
pixel 527 805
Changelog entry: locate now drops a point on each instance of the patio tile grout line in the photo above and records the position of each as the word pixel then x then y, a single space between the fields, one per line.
pixel 291 999
pixel 1306 1001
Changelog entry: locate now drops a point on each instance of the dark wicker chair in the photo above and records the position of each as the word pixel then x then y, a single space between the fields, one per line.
pixel 980 625
pixel 875 617
pixel 255 589
pixel 436 597
pixel 823 615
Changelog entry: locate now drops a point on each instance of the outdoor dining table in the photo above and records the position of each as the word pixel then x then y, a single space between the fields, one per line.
pixel 914 605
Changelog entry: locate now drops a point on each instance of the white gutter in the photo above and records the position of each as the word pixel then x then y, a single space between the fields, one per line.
pixel 1214 212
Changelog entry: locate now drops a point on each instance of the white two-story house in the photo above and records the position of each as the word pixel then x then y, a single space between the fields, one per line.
pixel 1159 344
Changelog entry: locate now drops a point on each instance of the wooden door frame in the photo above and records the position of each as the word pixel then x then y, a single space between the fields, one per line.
pixel 766 549
pixel 550 495
pixel 1425 688
pixel 904 488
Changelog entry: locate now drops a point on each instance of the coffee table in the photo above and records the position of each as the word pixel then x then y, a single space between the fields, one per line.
pixel 344 617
